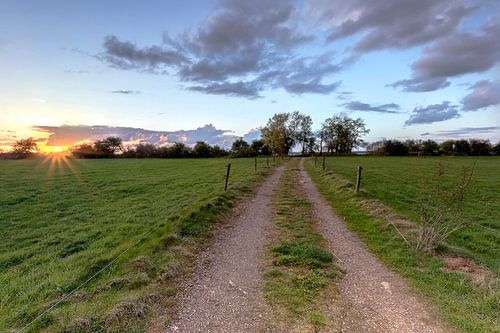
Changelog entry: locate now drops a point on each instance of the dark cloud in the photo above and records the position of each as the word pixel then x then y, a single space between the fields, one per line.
pixel 484 93
pixel 389 24
pixel 465 131
pixel 126 92
pixel 69 135
pixel 384 108
pixel 239 89
pixel 433 113
pixel 241 50
pixel 127 55
pixel 458 54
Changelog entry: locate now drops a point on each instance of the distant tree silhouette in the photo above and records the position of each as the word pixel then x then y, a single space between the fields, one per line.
pixel 25 146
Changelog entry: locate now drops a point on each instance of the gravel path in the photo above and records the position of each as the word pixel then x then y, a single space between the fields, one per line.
pixel 377 296
pixel 224 294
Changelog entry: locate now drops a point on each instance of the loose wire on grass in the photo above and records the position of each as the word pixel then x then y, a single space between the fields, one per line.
pixel 67 296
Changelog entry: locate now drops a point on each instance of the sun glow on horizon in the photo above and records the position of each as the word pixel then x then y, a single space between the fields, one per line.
pixel 54 149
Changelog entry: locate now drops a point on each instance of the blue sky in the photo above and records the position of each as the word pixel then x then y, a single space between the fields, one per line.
pixel 425 69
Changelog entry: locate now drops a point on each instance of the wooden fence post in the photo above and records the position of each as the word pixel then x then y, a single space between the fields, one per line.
pixel 323 162
pixel 358 179
pixel 227 176
pixel 267 160
pixel 255 164
pixel 274 159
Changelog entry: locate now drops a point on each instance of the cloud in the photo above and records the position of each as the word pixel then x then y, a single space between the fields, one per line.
pixel 484 93
pixel 73 71
pixel 464 131
pixel 390 24
pixel 242 49
pixel 458 54
pixel 69 135
pixel 239 89
pixel 126 92
pixel 433 113
pixel 127 55
pixel 384 108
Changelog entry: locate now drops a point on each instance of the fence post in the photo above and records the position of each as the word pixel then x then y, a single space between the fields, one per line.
pixel 267 160
pixel 323 162
pixel 255 164
pixel 358 179
pixel 274 159
pixel 227 176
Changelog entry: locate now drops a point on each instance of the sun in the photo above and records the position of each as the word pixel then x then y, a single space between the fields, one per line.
pixel 54 149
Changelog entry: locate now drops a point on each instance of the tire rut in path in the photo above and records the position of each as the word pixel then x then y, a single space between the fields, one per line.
pixel 224 294
pixel 377 296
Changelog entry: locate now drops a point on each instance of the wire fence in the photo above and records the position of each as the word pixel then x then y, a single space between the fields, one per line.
pixel 375 189
pixel 143 237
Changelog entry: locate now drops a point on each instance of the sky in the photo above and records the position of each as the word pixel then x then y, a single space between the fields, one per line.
pixel 159 71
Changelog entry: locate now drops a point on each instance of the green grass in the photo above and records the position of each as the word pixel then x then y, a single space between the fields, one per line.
pixel 466 305
pixel 399 181
pixel 62 222
pixel 301 275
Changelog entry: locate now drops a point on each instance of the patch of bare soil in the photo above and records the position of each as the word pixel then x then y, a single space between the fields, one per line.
pixel 480 276
pixel 380 301
pixel 224 293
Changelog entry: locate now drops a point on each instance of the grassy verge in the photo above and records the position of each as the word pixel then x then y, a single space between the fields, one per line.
pixel 466 305
pixel 300 282
pixel 80 219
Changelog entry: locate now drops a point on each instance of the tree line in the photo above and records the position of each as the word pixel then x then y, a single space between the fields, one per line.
pixel 337 135
pixel 462 147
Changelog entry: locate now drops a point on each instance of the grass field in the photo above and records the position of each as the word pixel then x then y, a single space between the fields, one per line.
pixel 467 303
pixel 62 220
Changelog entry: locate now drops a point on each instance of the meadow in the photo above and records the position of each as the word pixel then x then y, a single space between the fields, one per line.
pixel 62 220
pixel 470 303
pixel 401 181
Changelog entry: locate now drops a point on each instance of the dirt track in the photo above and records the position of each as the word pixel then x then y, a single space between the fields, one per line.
pixel 224 294
pixel 377 296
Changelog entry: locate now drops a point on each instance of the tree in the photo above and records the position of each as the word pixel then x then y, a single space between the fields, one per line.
pixel 301 129
pixel 430 147
pixel 259 147
pixel 395 148
pixel 109 146
pixel 462 147
pixel 414 147
pixel 145 150
pixel 25 146
pixel 241 148
pixel 447 147
pixel 496 149
pixel 342 133
pixel 201 149
pixel 278 134
pixel 480 147
pixel 84 150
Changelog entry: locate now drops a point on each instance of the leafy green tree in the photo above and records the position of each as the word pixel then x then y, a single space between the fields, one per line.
pixel 25 146
pixel 201 149
pixel 447 147
pixel 241 148
pixel 342 133
pixel 259 147
pixel 462 147
pixel 430 147
pixel 301 129
pixel 480 147
pixel 109 146
pixel 278 134
pixel 145 150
